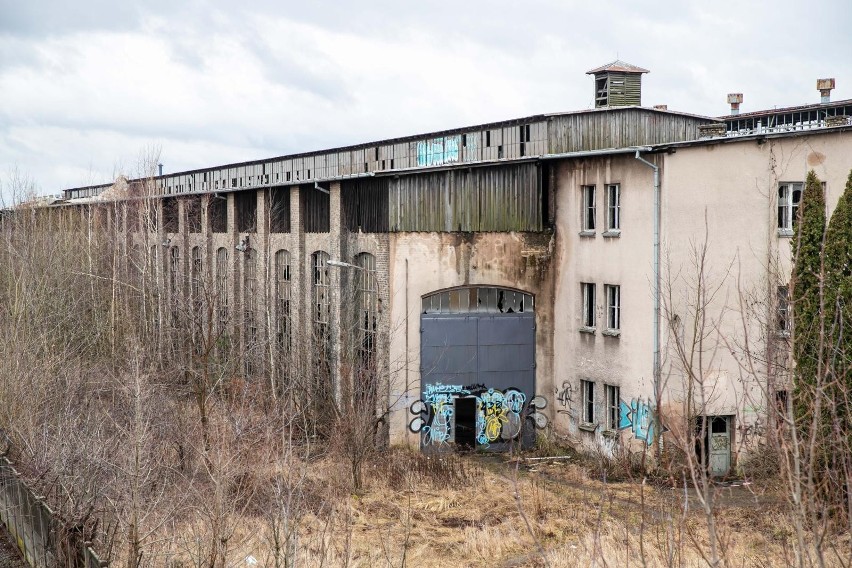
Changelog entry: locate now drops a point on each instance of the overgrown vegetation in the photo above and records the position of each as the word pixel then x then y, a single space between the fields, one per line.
pixel 158 431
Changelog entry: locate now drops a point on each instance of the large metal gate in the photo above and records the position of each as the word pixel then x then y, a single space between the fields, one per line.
pixel 477 351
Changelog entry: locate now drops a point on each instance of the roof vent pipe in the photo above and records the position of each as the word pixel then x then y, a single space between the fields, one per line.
pixel 734 99
pixel 160 167
pixel 824 86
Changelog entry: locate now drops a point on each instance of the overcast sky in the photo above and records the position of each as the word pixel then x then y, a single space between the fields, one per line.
pixel 89 87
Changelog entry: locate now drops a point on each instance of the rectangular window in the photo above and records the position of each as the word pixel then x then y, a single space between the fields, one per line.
pixel 789 196
pixel 588 304
pixel 613 307
pixel 613 207
pixel 589 214
pixel 783 310
pixel 613 396
pixel 587 392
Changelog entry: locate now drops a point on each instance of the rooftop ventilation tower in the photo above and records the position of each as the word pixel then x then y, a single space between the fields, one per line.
pixel 618 84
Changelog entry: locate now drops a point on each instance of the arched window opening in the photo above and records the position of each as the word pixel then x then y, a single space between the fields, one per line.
pixel 250 310
pixel 174 293
pixel 478 299
pixel 366 327
pixel 321 303
pixel 222 290
pixel 282 299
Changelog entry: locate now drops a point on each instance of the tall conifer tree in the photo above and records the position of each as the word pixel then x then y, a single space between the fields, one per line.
pixel 838 302
pixel 807 270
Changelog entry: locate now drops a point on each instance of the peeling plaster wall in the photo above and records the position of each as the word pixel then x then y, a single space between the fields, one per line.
pixel 625 361
pixel 421 263
pixel 734 186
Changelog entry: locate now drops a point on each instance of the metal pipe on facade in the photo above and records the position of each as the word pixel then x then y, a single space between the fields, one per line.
pixel 656 262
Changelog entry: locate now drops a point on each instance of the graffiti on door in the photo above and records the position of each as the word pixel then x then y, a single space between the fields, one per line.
pixel 500 415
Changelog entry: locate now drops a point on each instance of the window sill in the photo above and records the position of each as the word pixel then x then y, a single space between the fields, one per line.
pixel 586 329
pixel 785 232
pixel 612 234
pixel 588 233
pixel 588 426
pixel 609 433
pixel 611 332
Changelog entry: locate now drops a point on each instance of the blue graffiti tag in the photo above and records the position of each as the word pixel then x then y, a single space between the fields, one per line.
pixel 639 417
pixel 438 151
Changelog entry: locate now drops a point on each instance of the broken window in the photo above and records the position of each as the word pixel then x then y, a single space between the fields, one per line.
pixel 587 394
pixel 783 310
pixel 613 307
pixel 613 207
pixel 246 204
pixel 282 299
pixel 171 215
pixel 367 314
pixel 321 302
pixel 789 196
pixel 154 267
pixel 217 210
pixel 195 281
pixel 613 396
pixel 278 200
pixel 589 213
pixel 478 299
pixel 250 338
pixel 174 275
pixel 222 289
pixel 193 214
pixel 588 290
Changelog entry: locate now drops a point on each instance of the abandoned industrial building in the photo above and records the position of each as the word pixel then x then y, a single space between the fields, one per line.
pixel 478 285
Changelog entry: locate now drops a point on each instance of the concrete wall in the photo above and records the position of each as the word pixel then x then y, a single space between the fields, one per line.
pixel 726 195
pixel 625 360
pixel 422 263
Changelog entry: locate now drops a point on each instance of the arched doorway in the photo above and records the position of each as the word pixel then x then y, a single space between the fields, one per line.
pixel 477 369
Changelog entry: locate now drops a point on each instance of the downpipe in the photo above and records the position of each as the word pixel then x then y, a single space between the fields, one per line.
pixel 656 293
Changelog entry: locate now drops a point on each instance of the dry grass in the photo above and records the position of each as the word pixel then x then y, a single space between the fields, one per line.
pixel 427 511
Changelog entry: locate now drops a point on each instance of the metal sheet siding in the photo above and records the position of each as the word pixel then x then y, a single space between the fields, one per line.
pixel 507 198
pixel 618 129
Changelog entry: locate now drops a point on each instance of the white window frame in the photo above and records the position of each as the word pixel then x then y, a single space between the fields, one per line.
pixel 588 223
pixel 612 293
pixel 788 206
pixel 587 398
pixel 613 210
pixel 612 394
pixel 589 306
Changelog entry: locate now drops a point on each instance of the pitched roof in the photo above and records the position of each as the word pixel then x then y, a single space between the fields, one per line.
pixel 617 65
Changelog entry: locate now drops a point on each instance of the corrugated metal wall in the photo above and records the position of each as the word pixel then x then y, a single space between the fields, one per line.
pixel 278 204
pixel 618 128
pixel 316 209
pixel 533 136
pixel 365 205
pixel 481 199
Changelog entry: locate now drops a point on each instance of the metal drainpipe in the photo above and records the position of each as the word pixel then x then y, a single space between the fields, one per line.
pixel 657 393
